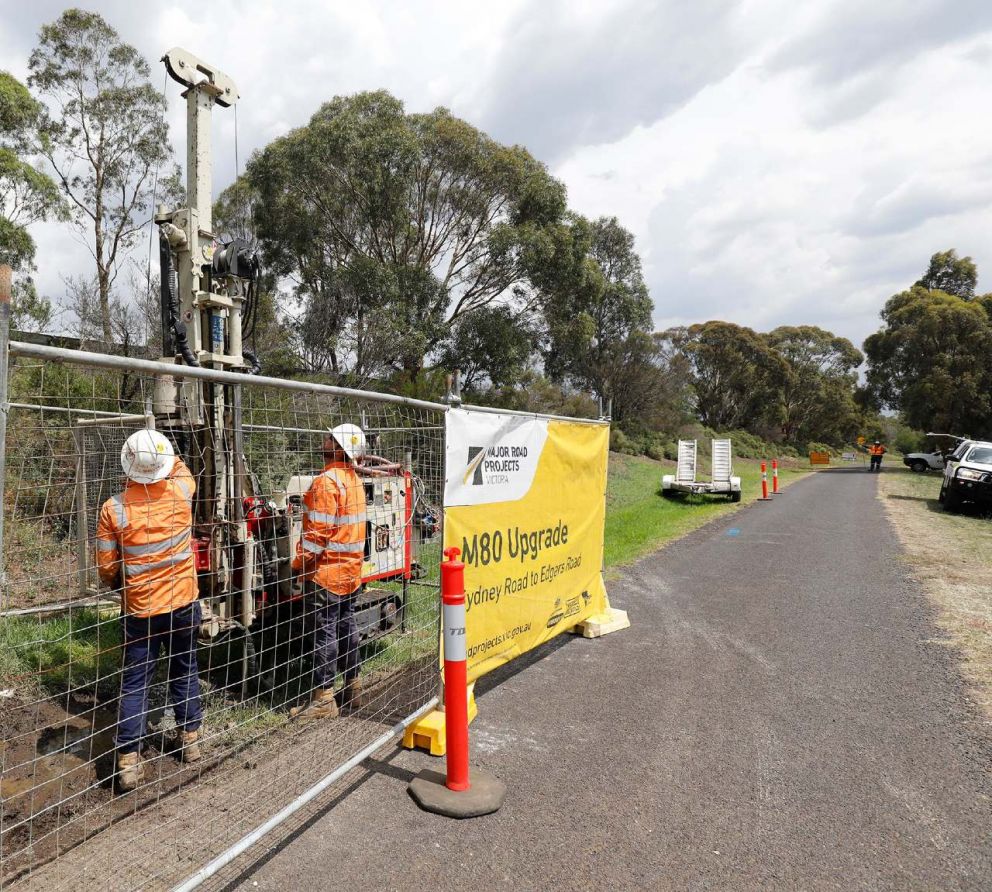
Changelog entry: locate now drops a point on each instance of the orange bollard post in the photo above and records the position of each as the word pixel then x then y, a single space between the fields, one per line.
pixel 455 670
pixel 775 489
pixel 764 483
pixel 461 792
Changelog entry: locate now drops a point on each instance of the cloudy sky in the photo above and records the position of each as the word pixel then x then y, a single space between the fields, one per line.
pixel 779 162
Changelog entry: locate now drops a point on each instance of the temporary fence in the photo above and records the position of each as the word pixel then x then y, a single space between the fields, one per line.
pixel 68 414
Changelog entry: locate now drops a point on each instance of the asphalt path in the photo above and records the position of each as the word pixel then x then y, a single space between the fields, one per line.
pixel 782 714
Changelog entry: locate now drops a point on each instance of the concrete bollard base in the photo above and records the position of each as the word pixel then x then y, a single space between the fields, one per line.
pixel 484 796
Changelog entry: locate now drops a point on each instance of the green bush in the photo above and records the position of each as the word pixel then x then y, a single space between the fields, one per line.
pixel 620 442
pixel 656 451
pixel 747 445
pixel 659 445
pixel 821 447
pixel 907 440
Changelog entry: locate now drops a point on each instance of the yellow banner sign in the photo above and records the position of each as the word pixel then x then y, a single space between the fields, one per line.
pixel 525 503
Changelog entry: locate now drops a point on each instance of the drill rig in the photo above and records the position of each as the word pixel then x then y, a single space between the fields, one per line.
pixel 243 540
pixel 204 290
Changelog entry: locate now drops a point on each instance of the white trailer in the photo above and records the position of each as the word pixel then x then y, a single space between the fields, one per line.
pixel 721 482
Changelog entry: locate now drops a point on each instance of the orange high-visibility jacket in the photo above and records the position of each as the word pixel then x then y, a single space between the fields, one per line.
pixel 332 548
pixel 876 450
pixel 147 529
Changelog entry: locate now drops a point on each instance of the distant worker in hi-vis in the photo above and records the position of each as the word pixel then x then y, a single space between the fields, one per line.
pixel 876 451
pixel 330 555
pixel 144 535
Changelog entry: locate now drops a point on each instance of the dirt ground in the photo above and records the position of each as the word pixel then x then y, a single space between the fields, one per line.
pixel 951 555
pixel 62 824
pixel 56 787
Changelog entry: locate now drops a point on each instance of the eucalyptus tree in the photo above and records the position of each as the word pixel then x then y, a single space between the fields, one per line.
pixel 393 226
pixel 105 135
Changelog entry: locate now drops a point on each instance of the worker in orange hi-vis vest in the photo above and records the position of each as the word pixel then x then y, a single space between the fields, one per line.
pixel 876 451
pixel 143 539
pixel 330 554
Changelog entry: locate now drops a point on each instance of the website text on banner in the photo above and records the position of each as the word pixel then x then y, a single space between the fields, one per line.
pixel 524 500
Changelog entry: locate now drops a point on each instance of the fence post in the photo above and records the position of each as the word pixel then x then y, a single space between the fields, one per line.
pixel 6 275
pixel 408 471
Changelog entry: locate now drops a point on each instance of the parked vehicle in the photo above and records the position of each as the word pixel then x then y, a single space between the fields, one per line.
pixel 967 475
pixel 921 462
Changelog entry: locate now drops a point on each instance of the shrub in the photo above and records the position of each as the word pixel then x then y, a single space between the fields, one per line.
pixel 656 451
pixel 907 440
pixel 820 447
pixel 620 442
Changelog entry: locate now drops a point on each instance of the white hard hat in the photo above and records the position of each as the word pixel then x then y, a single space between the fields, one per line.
pixel 351 438
pixel 147 456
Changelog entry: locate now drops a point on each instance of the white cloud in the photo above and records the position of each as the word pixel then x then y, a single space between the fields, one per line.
pixel 778 162
pixel 757 202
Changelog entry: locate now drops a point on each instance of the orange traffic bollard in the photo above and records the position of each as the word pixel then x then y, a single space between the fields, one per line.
pixel 461 792
pixel 455 671
pixel 764 483
pixel 775 490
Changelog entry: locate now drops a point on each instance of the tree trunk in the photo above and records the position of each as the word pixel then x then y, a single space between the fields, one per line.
pixel 102 275
pixel 105 323
pixel 412 367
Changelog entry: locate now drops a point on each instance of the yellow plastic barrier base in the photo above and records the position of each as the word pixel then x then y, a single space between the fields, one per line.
pixel 428 734
pixel 611 620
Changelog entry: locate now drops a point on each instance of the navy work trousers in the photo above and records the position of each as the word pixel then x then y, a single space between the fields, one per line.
pixel 144 638
pixel 336 637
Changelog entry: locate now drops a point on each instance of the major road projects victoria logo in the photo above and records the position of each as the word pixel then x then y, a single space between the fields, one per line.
pixel 493 464
pixel 491 458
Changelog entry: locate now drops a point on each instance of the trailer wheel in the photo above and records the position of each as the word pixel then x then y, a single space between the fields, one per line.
pixel 735 496
pixel 669 494
pixel 389 614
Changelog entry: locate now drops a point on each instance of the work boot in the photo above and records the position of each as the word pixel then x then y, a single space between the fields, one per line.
pixel 352 697
pixel 130 771
pixel 187 745
pixel 322 706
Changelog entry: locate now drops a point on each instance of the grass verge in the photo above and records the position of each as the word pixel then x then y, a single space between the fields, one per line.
pixel 951 555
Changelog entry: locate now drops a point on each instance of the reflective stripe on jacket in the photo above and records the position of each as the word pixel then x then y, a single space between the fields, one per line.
pixel 145 534
pixel 332 547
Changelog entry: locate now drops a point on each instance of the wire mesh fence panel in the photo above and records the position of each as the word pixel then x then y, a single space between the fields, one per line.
pixel 263 588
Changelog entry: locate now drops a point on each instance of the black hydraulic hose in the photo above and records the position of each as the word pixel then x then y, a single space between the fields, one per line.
pixel 176 328
pixel 167 288
pixel 254 366
pixel 249 315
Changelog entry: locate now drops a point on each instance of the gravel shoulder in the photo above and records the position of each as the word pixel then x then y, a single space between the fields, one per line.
pixel 951 556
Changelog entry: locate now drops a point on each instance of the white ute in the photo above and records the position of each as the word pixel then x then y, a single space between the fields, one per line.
pixel 721 481
pixel 921 462
pixel 967 476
